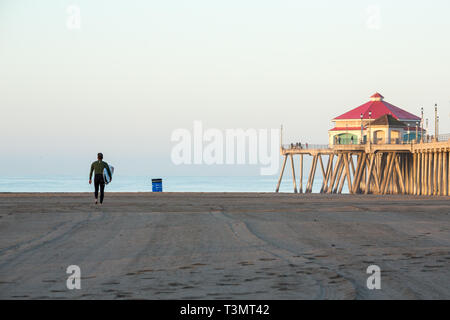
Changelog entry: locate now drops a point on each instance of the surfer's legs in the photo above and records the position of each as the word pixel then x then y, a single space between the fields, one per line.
pixel 96 184
pixel 99 182
pixel 102 191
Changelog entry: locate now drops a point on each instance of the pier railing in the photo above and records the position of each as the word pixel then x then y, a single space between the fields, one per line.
pixel 307 146
pixel 444 137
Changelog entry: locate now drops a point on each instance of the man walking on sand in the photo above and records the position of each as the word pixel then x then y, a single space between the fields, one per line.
pixel 98 166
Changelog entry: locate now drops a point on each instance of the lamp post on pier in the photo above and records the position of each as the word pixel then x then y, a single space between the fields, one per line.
pixel 437 129
pixel 417 131
pixel 421 125
pixel 370 128
pixel 361 140
pixel 435 122
pixel 408 134
pixel 281 137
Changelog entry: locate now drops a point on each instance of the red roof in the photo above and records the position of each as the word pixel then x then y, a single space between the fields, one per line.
pixel 347 128
pixel 378 108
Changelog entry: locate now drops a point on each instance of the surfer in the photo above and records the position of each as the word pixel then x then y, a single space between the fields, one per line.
pixel 98 167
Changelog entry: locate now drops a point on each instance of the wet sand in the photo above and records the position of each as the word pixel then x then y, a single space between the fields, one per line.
pixel 224 246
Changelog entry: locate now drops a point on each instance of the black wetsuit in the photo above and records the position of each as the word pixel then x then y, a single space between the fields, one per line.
pixel 99 182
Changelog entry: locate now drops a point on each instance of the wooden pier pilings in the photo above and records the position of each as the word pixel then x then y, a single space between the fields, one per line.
pixel 415 169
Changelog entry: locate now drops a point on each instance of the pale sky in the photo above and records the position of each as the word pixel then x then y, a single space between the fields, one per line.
pixel 137 70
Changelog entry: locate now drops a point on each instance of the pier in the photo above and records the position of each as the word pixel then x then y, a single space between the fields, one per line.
pixel 414 168
pixel 376 148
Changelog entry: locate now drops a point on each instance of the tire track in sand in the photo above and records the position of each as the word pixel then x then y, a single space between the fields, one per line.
pixel 339 287
pixel 52 236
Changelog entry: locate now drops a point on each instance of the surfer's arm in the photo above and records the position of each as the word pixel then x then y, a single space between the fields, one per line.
pixel 92 170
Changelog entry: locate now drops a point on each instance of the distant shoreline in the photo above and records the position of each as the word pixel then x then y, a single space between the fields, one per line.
pixel 312 196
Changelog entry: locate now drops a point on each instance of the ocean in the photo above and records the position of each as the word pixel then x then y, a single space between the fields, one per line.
pixel 144 184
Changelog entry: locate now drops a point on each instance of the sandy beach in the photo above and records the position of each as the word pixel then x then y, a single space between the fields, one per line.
pixel 224 246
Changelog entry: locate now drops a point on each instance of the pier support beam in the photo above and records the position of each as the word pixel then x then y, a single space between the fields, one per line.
pixel 293 174
pixel 301 174
pixel 417 168
pixel 439 177
pixel 429 173
pixel 387 173
pixel 445 174
pixel 347 171
pixel 323 189
pixel 323 173
pixel 281 173
pixel 370 173
pixel 422 174
pixel 333 177
pixel 312 173
pixel 400 176
pixel 359 173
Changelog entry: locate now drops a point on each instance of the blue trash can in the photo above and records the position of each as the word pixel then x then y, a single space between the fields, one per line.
pixel 156 185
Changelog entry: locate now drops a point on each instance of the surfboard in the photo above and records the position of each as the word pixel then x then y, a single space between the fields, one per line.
pixel 106 176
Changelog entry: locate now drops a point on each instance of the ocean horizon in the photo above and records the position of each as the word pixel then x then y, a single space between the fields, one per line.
pixel 60 183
